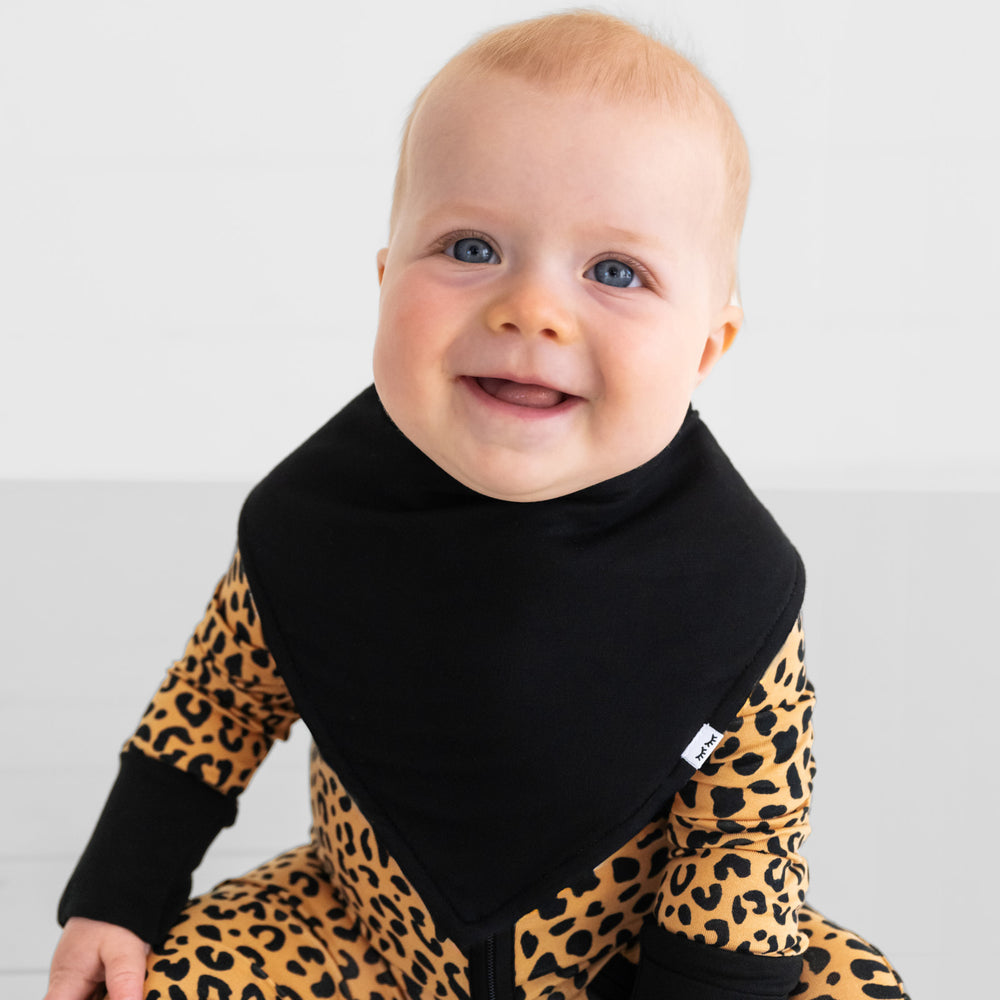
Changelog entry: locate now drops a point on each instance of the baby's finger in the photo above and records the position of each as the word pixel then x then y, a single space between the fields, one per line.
pixel 125 970
pixel 66 984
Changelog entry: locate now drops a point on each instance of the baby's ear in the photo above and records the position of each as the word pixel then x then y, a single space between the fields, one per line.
pixel 380 262
pixel 725 326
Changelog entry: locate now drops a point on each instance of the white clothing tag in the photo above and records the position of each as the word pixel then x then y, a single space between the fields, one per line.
pixel 701 747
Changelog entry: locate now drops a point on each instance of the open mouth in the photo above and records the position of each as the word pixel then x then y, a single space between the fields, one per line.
pixel 529 394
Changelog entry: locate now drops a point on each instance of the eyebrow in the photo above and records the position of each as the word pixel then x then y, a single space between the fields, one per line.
pixel 606 231
pixel 443 214
pixel 629 236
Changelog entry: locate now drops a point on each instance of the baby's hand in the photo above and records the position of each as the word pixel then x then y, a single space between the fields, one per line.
pixel 90 953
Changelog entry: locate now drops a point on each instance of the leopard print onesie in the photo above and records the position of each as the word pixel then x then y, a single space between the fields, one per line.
pixel 338 917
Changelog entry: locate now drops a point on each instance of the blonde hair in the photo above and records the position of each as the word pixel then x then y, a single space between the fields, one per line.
pixel 596 53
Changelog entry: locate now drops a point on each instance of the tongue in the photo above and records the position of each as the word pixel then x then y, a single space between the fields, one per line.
pixel 538 397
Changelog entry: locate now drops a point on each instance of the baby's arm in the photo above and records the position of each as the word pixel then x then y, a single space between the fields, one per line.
pixel 726 914
pixel 209 725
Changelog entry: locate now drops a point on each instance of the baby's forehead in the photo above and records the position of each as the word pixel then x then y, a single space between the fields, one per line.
pixel 437 114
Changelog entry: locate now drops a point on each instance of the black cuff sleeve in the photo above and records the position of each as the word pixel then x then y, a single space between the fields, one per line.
pixel 154 830
pixel 675 968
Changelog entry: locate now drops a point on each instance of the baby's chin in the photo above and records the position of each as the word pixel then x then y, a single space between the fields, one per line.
pixel 504 475
pixel 514 478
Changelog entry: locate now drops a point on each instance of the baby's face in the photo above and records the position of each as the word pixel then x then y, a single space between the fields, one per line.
pixel 551 293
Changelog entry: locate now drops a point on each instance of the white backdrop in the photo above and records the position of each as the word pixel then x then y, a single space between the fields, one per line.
pixel 192 194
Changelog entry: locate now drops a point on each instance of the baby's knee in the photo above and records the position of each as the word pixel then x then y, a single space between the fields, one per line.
pixel 842 965
pixel 205 957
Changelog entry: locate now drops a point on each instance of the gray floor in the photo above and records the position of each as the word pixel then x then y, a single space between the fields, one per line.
pixel 101 583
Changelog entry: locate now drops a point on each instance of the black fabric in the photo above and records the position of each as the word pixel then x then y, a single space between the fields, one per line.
pixel 506 688
pixel 154 830
pixel 615 981
pixel 673 966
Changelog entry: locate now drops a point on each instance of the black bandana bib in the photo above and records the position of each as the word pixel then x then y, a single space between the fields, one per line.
pixel 507 688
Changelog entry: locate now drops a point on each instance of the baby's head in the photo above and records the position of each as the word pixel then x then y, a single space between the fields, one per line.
pixel 561 265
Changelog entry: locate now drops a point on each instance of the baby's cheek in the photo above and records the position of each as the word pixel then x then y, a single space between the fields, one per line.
pixel 412 319
pixel 408 353
pixel 647 407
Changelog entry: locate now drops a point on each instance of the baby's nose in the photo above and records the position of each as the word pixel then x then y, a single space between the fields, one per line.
pixel 531 307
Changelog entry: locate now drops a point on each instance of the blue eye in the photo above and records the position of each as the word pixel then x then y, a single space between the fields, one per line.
pixel 472 250
pixel 613 272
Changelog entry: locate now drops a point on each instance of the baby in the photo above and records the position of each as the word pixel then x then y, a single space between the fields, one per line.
pixel 544 637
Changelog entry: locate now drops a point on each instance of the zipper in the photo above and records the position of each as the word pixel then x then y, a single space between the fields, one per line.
pixel 491 968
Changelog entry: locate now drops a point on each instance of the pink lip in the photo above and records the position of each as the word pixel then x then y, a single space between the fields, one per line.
pixel 475 385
